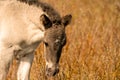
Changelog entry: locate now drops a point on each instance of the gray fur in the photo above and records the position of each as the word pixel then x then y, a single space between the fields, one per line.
pixel 52 13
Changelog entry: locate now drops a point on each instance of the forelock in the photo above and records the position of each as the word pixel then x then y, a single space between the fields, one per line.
pixel 54 32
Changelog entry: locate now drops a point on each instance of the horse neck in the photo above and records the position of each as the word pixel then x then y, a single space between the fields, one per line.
pixel 28 13
pixel 33 13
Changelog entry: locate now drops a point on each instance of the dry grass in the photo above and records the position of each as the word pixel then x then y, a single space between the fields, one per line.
pixel 93 42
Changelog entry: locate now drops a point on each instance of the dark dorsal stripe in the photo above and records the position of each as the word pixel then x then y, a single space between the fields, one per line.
pixel 52 13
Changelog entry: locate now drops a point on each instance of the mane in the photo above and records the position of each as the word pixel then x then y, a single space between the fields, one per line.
pixel 48 9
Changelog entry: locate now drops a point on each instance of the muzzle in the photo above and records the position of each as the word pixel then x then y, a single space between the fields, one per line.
pixel 52 71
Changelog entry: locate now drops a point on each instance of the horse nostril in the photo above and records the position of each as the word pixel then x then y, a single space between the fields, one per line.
pixel 49 69
pixel 56 71
pixel 51 72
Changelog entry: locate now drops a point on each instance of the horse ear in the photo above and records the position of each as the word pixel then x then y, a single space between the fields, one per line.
pixel 66 19
pixel 45 21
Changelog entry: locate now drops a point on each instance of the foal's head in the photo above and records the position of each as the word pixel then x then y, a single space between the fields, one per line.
pixel 54 40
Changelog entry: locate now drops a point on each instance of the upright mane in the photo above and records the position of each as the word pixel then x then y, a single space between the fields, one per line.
pixel 49 10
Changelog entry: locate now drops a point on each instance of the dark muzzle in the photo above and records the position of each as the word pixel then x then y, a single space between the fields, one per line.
pixel 52 71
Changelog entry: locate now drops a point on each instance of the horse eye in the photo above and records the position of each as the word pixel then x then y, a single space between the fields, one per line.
pixel 46 44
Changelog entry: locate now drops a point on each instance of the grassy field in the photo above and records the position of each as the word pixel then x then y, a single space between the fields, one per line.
pixel 92 51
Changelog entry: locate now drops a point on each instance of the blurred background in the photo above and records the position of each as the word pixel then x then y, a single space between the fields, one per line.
pixel 92 51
